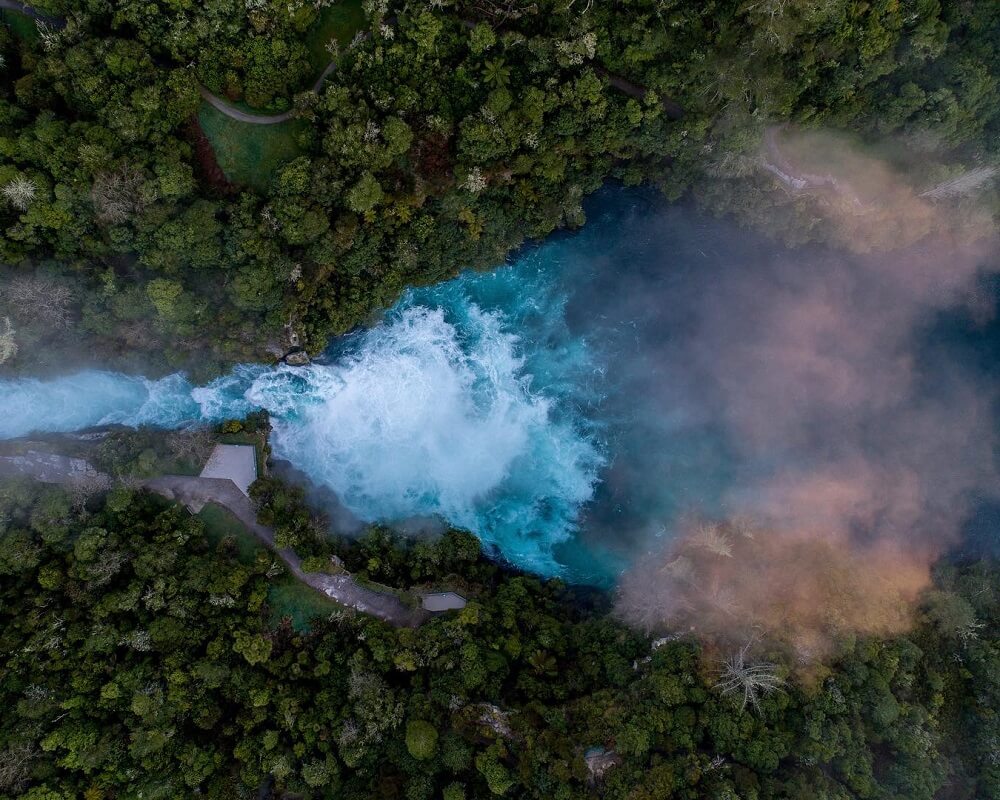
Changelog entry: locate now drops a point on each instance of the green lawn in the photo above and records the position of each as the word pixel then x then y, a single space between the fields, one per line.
pixel 250 154
pixel 21 25
pixel 221 523
pixel 341 21
pixel 291 598
pixel 287 596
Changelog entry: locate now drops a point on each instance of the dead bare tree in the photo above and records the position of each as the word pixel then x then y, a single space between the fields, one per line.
pixel 15 763
pixel 118 195
pixel 106 566
pixel 753 679
pixel 191 444
pixel 965 184
pixel 20 192
pixel 712 537
pixel 501 11
pixel 83 489
pixel 40 299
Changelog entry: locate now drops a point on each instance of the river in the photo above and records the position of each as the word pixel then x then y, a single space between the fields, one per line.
pixel 563 406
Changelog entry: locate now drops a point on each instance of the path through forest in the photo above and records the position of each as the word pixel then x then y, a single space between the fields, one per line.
pixel 343 588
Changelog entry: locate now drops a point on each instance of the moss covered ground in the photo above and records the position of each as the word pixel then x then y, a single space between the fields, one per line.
pixel 250 154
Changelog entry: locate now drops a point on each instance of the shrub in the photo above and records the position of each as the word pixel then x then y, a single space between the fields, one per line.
pixel 421 739
pixel 454 791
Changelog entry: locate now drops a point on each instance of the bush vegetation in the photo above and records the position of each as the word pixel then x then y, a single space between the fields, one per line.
pixel 454 132
pixel 143 655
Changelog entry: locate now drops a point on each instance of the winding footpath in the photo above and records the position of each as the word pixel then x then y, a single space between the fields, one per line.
pixel 194 493
pixel 343 588
pixel 671 108
pixel 51 468
pixel 243 116
pixel 259 119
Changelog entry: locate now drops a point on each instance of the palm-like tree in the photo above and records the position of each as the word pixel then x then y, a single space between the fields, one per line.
pixel 496 73
pixel 754 680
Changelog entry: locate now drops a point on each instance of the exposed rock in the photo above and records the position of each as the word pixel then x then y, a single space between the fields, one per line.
pixel 272 348
pixel 496 719
pixel 50 468
pixel 599 760
pixel 90 436
pixel 297 358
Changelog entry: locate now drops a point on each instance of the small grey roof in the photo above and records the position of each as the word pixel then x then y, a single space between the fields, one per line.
pixel 443 601
pixel 238 462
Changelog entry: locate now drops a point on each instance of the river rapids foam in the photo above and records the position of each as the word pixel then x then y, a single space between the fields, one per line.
pixel 435 411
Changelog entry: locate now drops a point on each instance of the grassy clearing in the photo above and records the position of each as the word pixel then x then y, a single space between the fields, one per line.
pixel 250 154
pixel 287 596
pixel 220 524
pixel 178 467
pixel 21 25
pixel 340 21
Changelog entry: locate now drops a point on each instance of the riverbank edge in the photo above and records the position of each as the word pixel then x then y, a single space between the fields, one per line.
pixel 47 458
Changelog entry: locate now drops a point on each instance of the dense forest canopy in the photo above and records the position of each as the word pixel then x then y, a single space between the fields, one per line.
pixel 143 657
pixel 116 212
pixel 145 652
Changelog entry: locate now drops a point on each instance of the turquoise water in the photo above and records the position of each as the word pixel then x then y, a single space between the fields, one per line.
pixel 565 407
pixel 489 400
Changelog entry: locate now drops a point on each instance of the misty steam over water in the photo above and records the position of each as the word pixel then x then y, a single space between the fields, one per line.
pixel 577 405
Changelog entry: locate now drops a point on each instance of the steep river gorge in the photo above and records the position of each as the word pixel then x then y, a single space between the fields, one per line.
pixel 568 407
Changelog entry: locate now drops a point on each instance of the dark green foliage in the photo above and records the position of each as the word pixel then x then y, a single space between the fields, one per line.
pixel 282 507
pixel 143 655
pixel 421 739
pixel 384 556
pixel 139 658
pixel 397 179
pixel 139 453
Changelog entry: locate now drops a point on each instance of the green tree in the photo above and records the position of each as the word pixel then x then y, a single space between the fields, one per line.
pixel 165 295
pixel 365 194
pixel 421 739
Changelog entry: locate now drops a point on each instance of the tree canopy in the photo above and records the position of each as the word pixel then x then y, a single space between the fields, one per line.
pixel 145 654
pixel 445 135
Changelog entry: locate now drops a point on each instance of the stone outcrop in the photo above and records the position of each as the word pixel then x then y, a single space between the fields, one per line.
pixel 297 358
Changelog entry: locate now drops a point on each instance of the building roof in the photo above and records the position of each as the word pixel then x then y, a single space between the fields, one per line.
pixel 238 462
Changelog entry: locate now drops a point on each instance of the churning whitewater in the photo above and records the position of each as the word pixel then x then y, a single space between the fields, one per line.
pixel 471 401
pixel 431 412
pixel 591 397
pixel 521 404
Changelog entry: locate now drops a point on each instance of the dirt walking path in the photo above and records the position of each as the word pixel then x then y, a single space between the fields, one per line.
pixel 196 492
pixel 672 109
pixel 243 116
